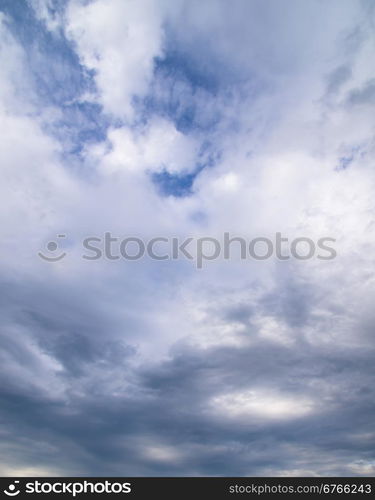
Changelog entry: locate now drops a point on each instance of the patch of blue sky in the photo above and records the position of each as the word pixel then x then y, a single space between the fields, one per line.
pixel 181 184
pixel 345 161
pixel 53 64
pixel 182 93
pixel 180 66
pixel 179 105
pixel 81 123
pixel 192 99
pixel 57 77
pixel 177 185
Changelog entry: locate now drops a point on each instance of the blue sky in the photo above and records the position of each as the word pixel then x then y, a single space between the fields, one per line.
pixel 184 118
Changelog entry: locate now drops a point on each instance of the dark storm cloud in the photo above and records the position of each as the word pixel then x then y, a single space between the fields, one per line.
pixel 168 405
pixel 112 432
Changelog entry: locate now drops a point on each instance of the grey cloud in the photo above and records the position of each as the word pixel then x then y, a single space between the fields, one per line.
pixel 166 404
pixel 362 96
pixel 113 433
pixel 337 79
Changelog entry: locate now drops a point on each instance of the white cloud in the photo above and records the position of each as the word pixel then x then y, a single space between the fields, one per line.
pixel 118 40
pixel 264 405
pixel 154 148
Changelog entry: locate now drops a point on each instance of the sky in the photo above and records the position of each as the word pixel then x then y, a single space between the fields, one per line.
pixel 180 118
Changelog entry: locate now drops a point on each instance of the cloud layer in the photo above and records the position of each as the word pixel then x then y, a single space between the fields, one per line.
pixel 174 118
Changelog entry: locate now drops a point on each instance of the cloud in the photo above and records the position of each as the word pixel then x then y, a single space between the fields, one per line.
pixel 118 41
pixel 365 95
pixel 159 147
pixel 180 119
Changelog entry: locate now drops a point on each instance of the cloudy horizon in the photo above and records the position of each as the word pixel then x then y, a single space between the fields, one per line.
pixel 186 119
